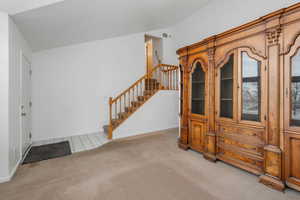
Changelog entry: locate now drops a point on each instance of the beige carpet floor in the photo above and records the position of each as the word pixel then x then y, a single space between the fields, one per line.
pixel 143 168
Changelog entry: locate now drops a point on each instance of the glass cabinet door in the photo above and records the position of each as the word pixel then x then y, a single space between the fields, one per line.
pixel 226 89
pixel 250 88
pixel 295 90
pixel 198 90
pixel 241 81
pixel 292 89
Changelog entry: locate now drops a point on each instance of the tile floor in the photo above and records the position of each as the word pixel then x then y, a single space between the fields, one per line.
pixel 79 143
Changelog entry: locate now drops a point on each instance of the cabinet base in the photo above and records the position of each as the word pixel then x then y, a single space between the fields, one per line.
pixel 183 146
pixel 272 182
pixel 291 185
pixel 210 157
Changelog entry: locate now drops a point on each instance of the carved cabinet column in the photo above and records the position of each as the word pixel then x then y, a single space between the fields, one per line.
pixel 183 140
pixel 210 152
pixel 273 153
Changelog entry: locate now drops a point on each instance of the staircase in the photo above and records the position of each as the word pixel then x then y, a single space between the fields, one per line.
pixel 161 77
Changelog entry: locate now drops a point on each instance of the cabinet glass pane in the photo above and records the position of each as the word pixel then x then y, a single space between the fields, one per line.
pixel 295 90
pixel 226 108
pixel 198 74
pixel 198 90
pixel 250 88
pixel 227 89
pixel 198 107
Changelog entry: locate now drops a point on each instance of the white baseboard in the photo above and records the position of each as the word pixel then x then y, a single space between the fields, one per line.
pixel 5 179
pixel 12 173
pixel 154 131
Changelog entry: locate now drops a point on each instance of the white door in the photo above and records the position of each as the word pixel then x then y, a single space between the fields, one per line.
pixel 26 105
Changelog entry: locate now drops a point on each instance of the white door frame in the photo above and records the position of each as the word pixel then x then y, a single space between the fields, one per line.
pixel 22 59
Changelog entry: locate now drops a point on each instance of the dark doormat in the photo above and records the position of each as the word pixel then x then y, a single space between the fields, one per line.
pixel 48 151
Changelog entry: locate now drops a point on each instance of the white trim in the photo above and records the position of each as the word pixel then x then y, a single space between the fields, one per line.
pixel 145 133
pixel 23 58
pixel 12 173
pixel 26 152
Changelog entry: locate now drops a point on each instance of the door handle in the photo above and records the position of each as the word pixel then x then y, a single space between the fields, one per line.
pixel 23 114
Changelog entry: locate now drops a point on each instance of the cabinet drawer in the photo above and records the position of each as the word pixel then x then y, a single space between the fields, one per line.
pixel 241 146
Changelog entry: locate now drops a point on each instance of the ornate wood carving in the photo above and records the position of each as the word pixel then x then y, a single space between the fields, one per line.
pixel 290 45
pixel 211 54
pixel 224 59
pixel 273 36
pixel 201 61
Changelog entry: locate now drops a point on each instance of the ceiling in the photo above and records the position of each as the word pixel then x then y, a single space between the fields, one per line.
pixel 16 6
pixel 75 21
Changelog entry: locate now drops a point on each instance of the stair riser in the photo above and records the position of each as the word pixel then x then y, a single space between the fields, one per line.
pixel 142 98
pixel 122 116
pixel 152 86
pixel 136 104
pixel 151 81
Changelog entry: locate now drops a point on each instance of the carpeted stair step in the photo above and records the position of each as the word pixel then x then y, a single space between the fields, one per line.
pixel 152 86
pixel 123 115
pixel 136 103
pixel 151 80
pixel 129 109
pixel 148 92
pixel 116 122
pixel 142 98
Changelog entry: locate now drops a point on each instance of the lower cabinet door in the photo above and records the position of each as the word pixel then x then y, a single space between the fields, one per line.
pixel 292 160
pixel 197 135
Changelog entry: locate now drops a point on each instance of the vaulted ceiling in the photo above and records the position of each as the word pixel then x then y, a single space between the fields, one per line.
pixel 74 21
pixel 16 6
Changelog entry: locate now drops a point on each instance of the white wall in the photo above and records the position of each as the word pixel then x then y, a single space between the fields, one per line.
pixel 72 85
pixel 17 47
pixel 12 44
pixel 220 15
pixel 158 113
pixel 4 84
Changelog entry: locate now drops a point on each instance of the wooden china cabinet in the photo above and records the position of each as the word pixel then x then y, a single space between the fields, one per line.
pixel 240 97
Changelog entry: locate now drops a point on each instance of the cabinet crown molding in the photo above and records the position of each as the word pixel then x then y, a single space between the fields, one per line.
pixel 272 36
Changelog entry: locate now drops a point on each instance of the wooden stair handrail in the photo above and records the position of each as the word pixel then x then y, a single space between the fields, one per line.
pixel 163 76
pixel 125 91
pixel 142 78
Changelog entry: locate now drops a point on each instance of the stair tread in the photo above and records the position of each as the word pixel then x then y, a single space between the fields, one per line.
pixel 129 109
